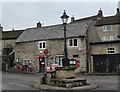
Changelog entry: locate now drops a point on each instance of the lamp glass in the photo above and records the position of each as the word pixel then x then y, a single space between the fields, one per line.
pixel 64 18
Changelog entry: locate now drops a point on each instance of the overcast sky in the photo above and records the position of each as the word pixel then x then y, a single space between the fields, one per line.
pixel 21 15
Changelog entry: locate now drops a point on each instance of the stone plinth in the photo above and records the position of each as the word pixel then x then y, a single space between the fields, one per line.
pixel 69 83
pixel 65 72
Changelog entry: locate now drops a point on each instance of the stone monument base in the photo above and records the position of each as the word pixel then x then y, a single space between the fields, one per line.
pixel 65 72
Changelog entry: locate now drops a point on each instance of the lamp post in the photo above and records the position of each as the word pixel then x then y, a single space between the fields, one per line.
pixel 64 19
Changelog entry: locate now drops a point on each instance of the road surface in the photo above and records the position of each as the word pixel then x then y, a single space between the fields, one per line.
pixel 12 81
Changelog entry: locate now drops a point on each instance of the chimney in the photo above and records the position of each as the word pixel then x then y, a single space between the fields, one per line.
pixel 13 29
pixel 72 18
pixel 38 24
pixel 100 13
pixel 1 28
pixel 118 11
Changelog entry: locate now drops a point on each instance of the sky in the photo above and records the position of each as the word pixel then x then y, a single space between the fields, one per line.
pixel 25 14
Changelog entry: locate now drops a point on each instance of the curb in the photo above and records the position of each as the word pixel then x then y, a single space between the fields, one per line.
pixel 20 72
pixel 90 74
pixel 100 74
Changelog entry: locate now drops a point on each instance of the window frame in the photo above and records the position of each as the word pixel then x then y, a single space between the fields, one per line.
pixel 60 61
pixel 104 38
pixel 106 29
pixel 26 61
pixel 111 38
pixel 113 51
pixel 42 43
pixel 107 38
pixel 72 42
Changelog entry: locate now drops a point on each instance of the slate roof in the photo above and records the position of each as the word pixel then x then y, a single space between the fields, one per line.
pixel 74 29
pixel 11 34
pixel 110 20
pixel 101 42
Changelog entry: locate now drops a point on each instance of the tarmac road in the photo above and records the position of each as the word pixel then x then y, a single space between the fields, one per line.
pixel 13 81
pixel 107 82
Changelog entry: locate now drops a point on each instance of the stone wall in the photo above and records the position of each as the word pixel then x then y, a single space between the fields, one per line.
pixel 102 48
pixel 30 51
pixel 99 49
pixel 114 32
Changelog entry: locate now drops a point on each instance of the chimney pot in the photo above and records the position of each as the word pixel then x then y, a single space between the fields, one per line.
pixel 1 28
pixel 100 13
pixel 118 10
pixel 72 18
pixel 38 24
pixel 13 29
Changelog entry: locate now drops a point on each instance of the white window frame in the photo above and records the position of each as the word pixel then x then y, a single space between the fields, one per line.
pixel 109 51
pixel 42 44
pixel 72 42
pixel 26 61
pixel 106 29
pixel 107 38
pixel 111 38
pixel 60 62
pixel 104 38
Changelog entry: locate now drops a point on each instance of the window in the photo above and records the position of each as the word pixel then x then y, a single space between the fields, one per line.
pixel 72 62
pixel 111 38
pixel 107 38
pixel 73 42
pixel 104 38
pixel 17 60
pixel 111 50
pixel 42 44
pixel 26 62
pixel 75 56
pixel 107 28
pixel 58 60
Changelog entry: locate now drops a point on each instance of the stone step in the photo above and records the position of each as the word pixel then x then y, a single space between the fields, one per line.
pixel 68 83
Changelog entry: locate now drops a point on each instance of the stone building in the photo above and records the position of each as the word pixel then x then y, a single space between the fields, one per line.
pixel 105 45
pixel 92 40
pixel 35 41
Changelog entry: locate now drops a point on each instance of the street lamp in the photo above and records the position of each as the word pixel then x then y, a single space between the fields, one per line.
pixel 64 19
